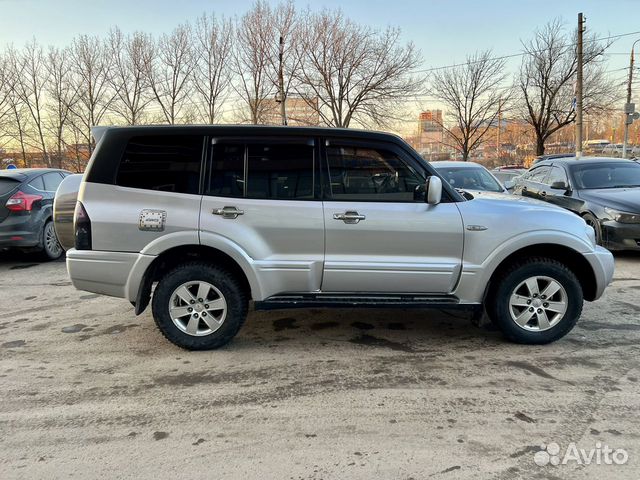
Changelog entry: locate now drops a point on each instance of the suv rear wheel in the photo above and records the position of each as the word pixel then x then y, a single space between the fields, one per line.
pixel 198 306
pixel 536 301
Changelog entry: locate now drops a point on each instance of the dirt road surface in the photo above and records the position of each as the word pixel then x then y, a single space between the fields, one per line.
pixel 89 390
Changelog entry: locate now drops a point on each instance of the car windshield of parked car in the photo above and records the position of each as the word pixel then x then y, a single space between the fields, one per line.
pixel 506 176
pixel 470 179
pixel 606 175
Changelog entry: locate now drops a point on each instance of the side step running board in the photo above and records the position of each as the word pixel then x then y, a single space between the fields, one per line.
pixel 356 300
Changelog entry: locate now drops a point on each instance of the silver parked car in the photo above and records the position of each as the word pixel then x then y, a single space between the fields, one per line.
pixel 295 217
pixel 469 176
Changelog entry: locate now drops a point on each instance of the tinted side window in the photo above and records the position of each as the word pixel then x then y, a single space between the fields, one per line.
pixel 280 171
pixel 538 174
pixel 370 174
pixel 37 183
pixel 227 171
pixel 557 174
pixel 51 181
pixel 165 163
pixel 262 171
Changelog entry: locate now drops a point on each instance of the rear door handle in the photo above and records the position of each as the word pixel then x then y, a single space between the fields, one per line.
pixel 227 212
pixel 350 217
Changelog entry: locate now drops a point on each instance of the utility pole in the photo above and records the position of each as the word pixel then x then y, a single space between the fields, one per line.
pixel 283 108
pixel 579 89
pixel 498 135
pixel 629 108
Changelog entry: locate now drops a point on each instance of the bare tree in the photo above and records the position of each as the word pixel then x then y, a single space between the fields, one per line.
pixel 127 77
pixel 357 73
pixel 62 98
pixel 92 65
pixel 251 60
pixel 211 72
pixel 5 108
pixel 547 76
pixel 167 68
pixel 285 53
pixel 31 78
pixel 472 94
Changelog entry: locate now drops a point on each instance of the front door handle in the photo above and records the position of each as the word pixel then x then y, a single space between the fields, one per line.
pixel 227 212
pixel 350 217
pixel 544 194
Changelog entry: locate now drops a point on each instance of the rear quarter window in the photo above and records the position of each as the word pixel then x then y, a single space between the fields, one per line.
pixel 37 183
pixel 162 163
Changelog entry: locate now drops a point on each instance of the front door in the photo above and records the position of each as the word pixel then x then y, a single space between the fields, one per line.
pixel 379 236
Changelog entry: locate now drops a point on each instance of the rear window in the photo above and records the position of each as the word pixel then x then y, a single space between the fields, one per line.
pixel 7 184
pixel 167 163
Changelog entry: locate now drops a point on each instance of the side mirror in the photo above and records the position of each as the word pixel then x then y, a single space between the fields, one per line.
pixel 433 188
pixel 509 184
pixel 559 186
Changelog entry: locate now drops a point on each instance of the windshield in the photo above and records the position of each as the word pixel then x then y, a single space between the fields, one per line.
pixel 606 175
pixel 506 176
pixel 470 179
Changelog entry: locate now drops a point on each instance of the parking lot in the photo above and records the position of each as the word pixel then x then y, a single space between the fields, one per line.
pixel 90 389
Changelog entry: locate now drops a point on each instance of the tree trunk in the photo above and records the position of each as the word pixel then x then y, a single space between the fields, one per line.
pixel 539 145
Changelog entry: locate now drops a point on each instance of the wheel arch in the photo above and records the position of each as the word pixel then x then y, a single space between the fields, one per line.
pixel 174 256
pixel 575 261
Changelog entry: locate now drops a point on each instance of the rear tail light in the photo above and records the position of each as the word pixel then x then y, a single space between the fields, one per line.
pixel 22 202
pixel 82 228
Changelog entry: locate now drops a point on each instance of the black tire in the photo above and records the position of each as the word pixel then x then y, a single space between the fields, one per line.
pixel 51 249
pixel 498 306
pixel 593 222
pixel 230 288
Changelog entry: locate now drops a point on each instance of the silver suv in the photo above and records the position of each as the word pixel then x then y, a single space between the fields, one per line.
pixel 209 217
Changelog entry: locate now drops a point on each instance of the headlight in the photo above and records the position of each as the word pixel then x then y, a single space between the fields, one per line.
pixel 622 217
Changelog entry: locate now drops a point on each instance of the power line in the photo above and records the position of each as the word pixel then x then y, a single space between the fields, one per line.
pixel 514 55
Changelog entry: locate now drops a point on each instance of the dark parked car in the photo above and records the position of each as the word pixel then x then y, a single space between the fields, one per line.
pixel 26 210
pixel 604 191
pixel 553 156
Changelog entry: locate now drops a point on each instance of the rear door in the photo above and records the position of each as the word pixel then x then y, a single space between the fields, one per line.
pixel 379 236
pixel 262 195
pixel 532 183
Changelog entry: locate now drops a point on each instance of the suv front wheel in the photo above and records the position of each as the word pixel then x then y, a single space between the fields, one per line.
pixel 198 306
pixel 535 301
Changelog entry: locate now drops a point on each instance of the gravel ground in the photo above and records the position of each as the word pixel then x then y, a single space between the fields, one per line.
pixel 91 391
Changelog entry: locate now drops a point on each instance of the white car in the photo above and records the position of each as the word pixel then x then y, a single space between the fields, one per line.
pixel 469 176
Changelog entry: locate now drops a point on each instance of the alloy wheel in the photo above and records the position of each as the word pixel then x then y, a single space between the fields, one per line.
pixel 197 308
pixel 538 303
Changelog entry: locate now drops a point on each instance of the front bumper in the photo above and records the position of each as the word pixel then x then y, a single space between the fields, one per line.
pixel 117 274
pixel 621 236
pixel 603 265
